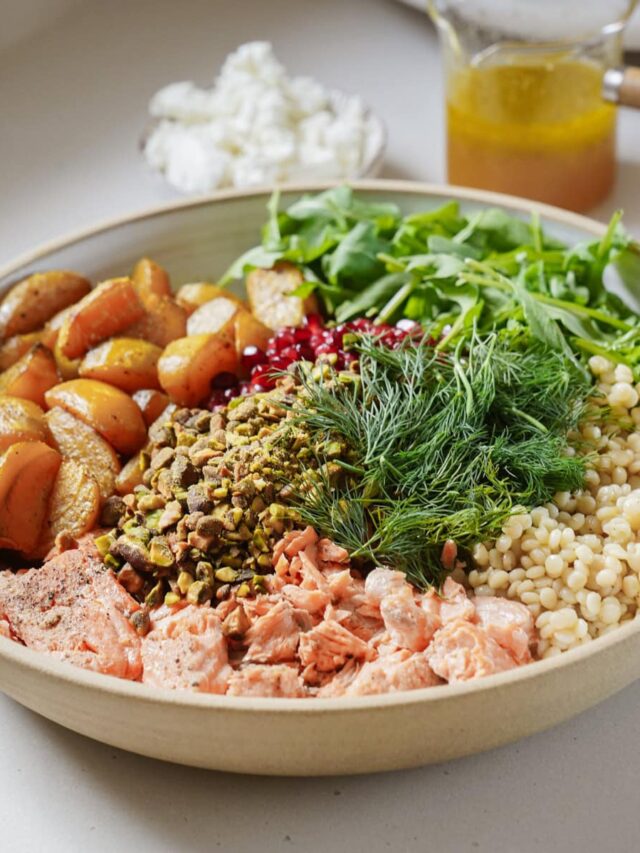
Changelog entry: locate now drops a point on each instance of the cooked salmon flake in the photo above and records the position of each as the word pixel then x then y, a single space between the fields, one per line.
pixel 320 628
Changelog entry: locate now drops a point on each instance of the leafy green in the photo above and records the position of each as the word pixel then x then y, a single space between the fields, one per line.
pixel 454 273
pixel 440 446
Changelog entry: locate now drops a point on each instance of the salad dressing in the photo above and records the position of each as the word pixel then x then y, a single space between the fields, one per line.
pixel 536 130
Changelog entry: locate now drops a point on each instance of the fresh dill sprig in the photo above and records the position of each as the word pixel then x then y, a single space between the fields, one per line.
pixel 440 446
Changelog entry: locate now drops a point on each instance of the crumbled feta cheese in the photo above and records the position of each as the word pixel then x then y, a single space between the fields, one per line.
pixel 255 125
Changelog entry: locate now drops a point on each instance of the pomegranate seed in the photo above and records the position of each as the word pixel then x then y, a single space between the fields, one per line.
pixel 252 356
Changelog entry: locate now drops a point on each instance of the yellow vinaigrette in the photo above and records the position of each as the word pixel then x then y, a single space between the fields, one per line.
pixel 538 130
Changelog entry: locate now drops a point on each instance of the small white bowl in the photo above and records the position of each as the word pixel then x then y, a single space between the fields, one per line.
pixel 375 148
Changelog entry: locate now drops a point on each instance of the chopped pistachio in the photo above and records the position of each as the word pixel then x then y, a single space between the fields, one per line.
pixel 105 543
pixel 184 582
pixel 226 574
pixel 171 598
pixel 243 590
pixel 160 552
pixel 199 592
pixel 154 596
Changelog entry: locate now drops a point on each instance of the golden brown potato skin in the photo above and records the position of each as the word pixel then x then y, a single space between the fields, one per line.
pixel 31 376
pixel 249 331
pixel 18 345
pixel 130 476
pixel 128 363
pixel 27 474
pixel 78 441
pixel 33 301
pixel 150 279
pixel 21 420
pixel 73 506
pixel 106 311
pixel 269 300
pixel 108 410
pixel 163 321
pixel 188 365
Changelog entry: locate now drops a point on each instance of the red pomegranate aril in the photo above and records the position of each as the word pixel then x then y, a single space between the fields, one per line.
pixel 252 356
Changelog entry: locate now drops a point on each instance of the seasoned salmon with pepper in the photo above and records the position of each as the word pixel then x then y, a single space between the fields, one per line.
pixel 186 650
pixel 75 609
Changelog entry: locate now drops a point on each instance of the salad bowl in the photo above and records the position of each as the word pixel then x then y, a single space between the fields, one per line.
pixel 197 240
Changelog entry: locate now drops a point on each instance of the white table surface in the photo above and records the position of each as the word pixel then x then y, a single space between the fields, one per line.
pixel 72 102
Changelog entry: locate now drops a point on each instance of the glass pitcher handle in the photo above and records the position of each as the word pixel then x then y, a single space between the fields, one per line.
pixel 622 86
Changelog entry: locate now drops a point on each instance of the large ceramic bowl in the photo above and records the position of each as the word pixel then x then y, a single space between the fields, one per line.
pixel 197 240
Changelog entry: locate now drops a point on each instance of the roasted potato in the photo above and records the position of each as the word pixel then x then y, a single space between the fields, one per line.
pixel 216 316
pixel 31 375
pixel 127 363
pixel 192 296
pixel 106 311
pixel 188 365
pixel 163 322
pixel 249 331
pixel 108 410
pixel 27 474
pixel 73 507
pixel 150 279
pixel 130 476
pixel 15 347
pixel 33 301
pixel 21 420
pixel 79 442
pixel 52 329
pixel 67 367
pixel 269 300
pixel 151 403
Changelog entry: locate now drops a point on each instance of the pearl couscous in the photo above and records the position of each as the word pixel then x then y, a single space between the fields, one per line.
pixel 575 562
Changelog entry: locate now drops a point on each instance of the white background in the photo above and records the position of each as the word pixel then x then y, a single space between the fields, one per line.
pixel 75 77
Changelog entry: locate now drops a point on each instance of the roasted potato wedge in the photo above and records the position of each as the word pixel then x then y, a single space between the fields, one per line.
pixel 269 300
pixel 108 410
pixel 192 296
pixel 67 367
pixel 188 365
pixel 52 329
pixel 74 504
pixel 150 279
pixel 127 363
pixel 249 331
pixel 15 347
pixel 33 301
pixel 130 476
pixel 163 322
pixel 151 403
pixel 106 311
pixel 214 317
pixel 27 474
pixel 21 420
pixel 31 375
pixel 79 442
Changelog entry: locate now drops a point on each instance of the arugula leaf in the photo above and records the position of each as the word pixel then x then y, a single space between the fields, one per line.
pixel 355 259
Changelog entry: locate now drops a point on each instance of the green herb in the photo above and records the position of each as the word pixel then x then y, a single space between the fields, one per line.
pixel 441 446
pixel 455 274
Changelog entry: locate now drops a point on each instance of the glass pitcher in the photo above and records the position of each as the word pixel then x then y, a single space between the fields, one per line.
pixel 524 95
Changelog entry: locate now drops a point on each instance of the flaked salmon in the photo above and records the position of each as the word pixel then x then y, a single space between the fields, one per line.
pixel 462 650
pixel 278 680
pixel 75 609
pixel 510 624
pixel 186 650
pixel 321 629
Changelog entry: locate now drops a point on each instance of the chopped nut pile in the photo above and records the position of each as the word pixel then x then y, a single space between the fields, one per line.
pixel 215 499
